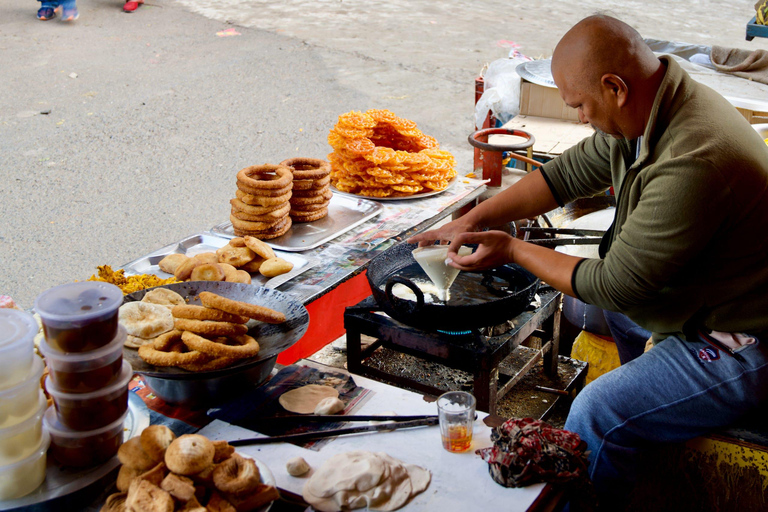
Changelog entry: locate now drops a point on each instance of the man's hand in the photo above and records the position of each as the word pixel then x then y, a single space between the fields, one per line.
pixel 444 233
pixel 494 250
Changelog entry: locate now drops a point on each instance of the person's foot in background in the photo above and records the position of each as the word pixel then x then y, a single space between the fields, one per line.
pixel 132 5
pixel 69 11
pixel 47 11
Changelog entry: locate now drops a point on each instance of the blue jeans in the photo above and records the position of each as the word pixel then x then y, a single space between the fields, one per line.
pixel 629 337
pixel 676 391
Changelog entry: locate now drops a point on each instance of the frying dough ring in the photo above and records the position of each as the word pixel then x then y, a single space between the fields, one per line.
pixel 307 168
pixel 254 225
pixel 235 307
pixel 248 346
pixel 254 210
pixel 256 200
pixel 236 475
pixel 284 177
pixel 202 313
pixel 313 192
pixel 167 358
pixel 320 198
pixel 214 364
pixel 189 454
pixel 309 216
pixel 208 327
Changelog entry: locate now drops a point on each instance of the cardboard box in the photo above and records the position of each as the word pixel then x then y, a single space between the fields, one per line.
pixel 541 101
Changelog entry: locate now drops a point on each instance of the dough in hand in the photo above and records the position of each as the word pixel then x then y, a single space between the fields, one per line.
pixel 330 405
pixel 297 466
pixel 303 400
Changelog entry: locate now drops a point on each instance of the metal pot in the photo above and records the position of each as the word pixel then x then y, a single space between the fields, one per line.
pixel 179 386
pixel 477 299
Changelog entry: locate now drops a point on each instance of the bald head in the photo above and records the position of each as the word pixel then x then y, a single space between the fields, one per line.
pixel 601 44
pixel 605 61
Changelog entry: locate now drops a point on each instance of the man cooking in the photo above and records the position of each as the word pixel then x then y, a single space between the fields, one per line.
pixel 686 258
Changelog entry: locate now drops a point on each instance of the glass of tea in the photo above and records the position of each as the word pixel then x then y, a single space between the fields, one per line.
pixel 456 411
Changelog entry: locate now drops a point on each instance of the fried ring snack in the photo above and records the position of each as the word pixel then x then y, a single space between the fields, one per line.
pixel 253 225
pixel 155 439
pixel 236 307
pixel 269 234
pixel 309 184
pixel 170 358
pixel 309 207
pixel 224 450
pixel 299 216
pixel 313 192
pixel 274 267
pixel 272 216
pixel 320 198
pixel 165 341
pixel 170 262
pixel 254 210
pixel 208 327
pixel 265 176
pixel 189 454
pixel 307 168
pixel 146 496
pixel 207 272
pixel 264 192
pixel 214 364
pixel 229 270
pixel 259 247
pixel 202 313
pixel 256 200
pixel 247 346
pixel 236 475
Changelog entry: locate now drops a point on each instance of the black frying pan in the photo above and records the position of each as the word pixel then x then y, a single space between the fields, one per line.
pixel 477 299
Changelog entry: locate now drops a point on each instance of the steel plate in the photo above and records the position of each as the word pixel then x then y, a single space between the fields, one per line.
pixel 62 487
pixel 344 213
pixel 538 72
pixel 204 242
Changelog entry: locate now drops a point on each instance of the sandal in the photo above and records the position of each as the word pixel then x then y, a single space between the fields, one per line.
pixel 46 12
pixel 131 5
pixel 69 14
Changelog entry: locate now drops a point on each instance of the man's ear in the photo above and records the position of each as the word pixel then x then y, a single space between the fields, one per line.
pixel 615 88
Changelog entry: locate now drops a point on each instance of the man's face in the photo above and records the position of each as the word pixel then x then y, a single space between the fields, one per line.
pixel 589 104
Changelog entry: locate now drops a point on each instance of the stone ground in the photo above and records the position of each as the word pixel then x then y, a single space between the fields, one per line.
pixel 122 133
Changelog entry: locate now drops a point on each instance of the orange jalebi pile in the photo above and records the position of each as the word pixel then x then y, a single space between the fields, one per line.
pixel 378 154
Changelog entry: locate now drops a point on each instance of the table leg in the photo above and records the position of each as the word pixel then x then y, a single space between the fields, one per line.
pixel 550 358
pixel 354 351
pixel 485 387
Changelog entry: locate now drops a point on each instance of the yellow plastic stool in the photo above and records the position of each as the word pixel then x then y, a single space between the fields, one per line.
pixel 601 354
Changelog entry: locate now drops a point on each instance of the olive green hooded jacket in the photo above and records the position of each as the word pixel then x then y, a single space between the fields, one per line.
pixel 691 230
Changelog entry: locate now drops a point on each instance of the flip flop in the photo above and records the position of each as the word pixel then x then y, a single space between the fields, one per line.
pixel 131 5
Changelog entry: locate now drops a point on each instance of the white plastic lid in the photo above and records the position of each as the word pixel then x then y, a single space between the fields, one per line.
pixel 16 327
pixel 78 302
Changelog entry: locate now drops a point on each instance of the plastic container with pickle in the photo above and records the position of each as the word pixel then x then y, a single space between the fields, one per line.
pixel 85 372
pixel 81 316
pixel 93 410
pixel 80 449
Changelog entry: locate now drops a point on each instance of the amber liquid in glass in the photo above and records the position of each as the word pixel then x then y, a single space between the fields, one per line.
pixel 459 438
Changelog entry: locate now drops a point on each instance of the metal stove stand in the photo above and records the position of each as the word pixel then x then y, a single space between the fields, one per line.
pixel 472 352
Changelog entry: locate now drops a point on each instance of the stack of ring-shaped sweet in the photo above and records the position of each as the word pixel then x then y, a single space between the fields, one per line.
pixel 208 337
pixel 311 188
pixel 262 204
pixel 378 154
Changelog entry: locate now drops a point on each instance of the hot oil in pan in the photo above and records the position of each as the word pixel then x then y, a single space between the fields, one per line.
pixel 468 288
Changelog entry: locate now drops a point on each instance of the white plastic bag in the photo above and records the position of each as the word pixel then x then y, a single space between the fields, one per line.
pixel 501 95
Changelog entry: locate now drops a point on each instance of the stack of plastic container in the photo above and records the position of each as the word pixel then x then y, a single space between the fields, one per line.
pixel 88 379
pixel 23 443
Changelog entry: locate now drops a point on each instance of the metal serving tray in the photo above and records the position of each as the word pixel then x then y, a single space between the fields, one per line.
pixel 205 242
pixel 344 213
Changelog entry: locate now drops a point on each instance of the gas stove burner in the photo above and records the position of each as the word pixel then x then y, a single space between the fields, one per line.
pixel 456 333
